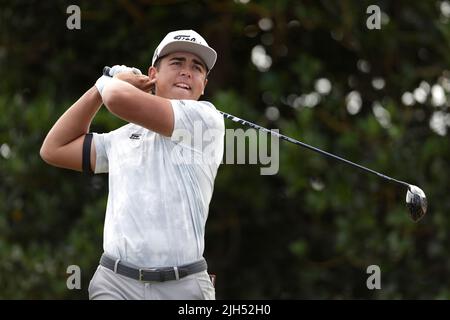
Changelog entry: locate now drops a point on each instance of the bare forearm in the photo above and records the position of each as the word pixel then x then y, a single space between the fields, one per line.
pixel 75 121
pixel 133 105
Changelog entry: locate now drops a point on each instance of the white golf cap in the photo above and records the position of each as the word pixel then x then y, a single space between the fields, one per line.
pixel 188 41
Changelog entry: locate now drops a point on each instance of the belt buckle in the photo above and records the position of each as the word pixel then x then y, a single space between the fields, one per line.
pixel 141 272
pixel 162 275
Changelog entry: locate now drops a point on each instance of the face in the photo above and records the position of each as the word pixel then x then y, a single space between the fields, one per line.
pixel 181 75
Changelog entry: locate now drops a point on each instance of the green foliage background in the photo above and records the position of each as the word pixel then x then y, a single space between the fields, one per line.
pixel 309 232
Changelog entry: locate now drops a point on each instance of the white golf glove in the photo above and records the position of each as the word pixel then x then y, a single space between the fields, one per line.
pixel 104 79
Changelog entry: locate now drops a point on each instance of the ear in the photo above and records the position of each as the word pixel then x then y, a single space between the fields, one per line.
pixel 152 72
pixel 204 85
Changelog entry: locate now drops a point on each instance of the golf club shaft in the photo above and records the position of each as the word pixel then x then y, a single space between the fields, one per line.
pixel 286 138
pixel 330 155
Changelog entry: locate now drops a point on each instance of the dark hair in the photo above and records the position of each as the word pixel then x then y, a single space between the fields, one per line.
pixel 158 62
pixel 156 65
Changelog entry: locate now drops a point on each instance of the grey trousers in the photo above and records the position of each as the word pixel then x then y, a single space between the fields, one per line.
pixel 107 285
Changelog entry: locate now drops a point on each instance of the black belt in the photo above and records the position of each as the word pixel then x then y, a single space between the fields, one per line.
pixel 153 274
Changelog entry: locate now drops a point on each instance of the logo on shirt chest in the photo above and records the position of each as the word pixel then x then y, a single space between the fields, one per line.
pixel 135 136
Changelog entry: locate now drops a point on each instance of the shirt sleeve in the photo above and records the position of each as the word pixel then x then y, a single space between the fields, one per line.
pixel 197 123
pixel 102 145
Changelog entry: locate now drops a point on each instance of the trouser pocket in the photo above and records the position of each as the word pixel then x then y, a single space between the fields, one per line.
pixel 206 285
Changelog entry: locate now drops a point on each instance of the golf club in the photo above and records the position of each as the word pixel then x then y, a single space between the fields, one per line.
pixel 416 201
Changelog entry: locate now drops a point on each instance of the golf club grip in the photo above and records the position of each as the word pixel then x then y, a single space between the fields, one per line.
pixel 106 71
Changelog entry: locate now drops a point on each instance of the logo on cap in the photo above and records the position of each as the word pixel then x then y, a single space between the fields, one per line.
pixel 185 38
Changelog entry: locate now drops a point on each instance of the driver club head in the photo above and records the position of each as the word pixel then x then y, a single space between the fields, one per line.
pixel 416 202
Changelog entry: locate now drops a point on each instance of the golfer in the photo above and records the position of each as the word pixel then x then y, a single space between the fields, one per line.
pixel 161 167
